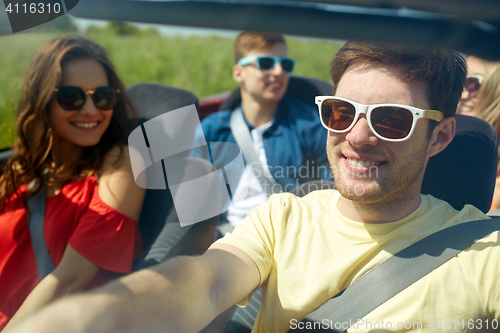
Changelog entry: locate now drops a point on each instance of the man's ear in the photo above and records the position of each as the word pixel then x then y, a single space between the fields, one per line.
pixel 441 136
pixel 237 73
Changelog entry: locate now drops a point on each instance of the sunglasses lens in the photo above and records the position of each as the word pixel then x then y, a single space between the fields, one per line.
pixel 287 65
pixel 392 122
pixel 266 63
pixel 337 115
pixel 73 98
pixel 104 98
pixel 70 98
pixel 472 85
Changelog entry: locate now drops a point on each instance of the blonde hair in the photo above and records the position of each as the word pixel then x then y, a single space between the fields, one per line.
pixel 488 106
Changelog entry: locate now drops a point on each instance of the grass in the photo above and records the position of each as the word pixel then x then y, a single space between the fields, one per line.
pixel 199 64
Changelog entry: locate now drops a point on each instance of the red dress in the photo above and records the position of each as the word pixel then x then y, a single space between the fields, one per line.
pixel 76 216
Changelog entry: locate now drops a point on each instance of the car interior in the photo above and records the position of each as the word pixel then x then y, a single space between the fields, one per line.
pixel 464 173
pixel 163 236
pixel 162 233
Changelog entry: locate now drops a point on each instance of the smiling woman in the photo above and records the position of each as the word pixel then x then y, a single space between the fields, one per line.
pixel 75 122
pixel 71 125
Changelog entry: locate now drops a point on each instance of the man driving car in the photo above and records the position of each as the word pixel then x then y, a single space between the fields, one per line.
pixel 391 111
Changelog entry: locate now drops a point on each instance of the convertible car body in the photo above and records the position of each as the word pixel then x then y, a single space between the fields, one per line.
pixel 470 27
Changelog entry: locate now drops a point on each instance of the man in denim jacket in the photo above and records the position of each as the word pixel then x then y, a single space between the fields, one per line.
pixel 287 134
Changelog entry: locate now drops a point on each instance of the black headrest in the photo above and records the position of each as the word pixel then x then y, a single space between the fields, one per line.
pixel 302 88
pixel 155 99
pixel 465 172
pixel 151 101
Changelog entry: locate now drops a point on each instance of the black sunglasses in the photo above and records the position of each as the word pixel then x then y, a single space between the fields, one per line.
pixel 73 98
pixel 473 84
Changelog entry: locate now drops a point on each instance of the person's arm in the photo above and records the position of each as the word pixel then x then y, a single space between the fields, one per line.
pixel 180 295
pixel 73 274
pixel 117 189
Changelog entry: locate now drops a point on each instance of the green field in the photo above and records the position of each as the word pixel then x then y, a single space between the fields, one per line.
pixel 199 64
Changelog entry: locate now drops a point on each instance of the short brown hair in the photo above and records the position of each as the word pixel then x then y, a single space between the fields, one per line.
pixel 251 40
pixel 443 71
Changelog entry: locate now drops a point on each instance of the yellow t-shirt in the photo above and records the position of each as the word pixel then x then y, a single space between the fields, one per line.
pixel 307 252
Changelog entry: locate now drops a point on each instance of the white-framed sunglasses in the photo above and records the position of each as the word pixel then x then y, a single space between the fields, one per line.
pixel 389 122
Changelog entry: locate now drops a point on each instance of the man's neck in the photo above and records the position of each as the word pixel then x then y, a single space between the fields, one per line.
pixel 258 113
pixel 389 211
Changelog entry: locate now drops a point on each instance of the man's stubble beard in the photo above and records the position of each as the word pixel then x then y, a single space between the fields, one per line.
pixel 392 186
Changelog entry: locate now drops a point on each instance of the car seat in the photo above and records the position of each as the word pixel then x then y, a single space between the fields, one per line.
pixel 463 173
pixel 163 236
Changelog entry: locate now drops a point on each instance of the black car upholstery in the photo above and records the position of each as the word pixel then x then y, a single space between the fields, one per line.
pixel 163 236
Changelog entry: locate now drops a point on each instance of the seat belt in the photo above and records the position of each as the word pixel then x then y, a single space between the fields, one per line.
pixel 396 274
pixel 244 140
pixel 36 206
